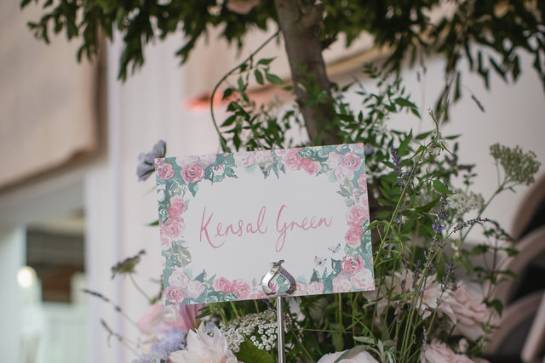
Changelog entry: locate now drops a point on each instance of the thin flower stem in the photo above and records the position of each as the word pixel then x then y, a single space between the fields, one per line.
pixel 140 290
pixel 500 189
pixel 235 310
pixel 223 142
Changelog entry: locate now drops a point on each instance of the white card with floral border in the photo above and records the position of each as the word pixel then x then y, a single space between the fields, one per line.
pixel 224 218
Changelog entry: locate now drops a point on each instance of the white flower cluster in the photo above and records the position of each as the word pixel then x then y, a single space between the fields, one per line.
pixel 259 328
pixel 464 202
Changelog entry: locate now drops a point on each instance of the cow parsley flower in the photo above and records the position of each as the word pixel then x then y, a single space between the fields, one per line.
pixel 462 202
pixel 519 166
pixel 259 328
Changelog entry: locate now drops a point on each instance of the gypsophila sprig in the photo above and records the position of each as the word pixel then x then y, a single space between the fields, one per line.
pixel 258 328
pixel 519 166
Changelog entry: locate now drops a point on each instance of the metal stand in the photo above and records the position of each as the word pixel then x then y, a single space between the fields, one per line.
pixel 274 272
pixel 280 331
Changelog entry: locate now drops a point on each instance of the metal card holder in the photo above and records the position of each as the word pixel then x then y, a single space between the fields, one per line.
pixel 276 271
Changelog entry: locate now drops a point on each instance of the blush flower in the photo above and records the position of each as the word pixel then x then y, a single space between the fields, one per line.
pixel 155 321
pixel 206 345
pixel 361 357
pixel 469 312
pixel 151 319
pixel 438 352
pixel 363 280
pixel 193 172
pixel 186 317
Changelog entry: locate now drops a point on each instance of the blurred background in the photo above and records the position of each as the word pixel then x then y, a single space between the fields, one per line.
pixel 71 206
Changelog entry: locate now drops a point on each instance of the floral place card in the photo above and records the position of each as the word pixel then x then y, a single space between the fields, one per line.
pixel 225 218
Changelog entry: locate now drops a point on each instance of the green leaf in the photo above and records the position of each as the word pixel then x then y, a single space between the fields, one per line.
pixel 154 223
pixel 248 352
pixel 439 186
pixel 274 79
pixel 228 92
pixel 193 187
pixel 259 76
pixel 229 121
pixel 265 61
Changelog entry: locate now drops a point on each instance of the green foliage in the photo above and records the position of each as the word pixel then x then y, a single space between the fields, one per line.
pixel 128 265
pixel 420 225
pixel 250 353
pixel 488 33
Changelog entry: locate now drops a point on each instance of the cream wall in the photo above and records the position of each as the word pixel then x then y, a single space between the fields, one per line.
pixel 514 115
pixel 149 107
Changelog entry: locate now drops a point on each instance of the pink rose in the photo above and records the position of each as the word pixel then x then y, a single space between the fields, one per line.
pixel 310 166
pixel 351 161
pixel 177 207
pixel 469 311
pixel 223 285
pixel 363 280
pixel 352 264
pixel 193 173
pixel 165 170
pixel 178 278
pixel 362 182
pixel 341 284
pixel 438 352
pixel 172 228
pixel 293 160
pixel 151 319
pixel 241 289
pixel 357 216
pixel 174 294
pixel 353 236
pixel 194 289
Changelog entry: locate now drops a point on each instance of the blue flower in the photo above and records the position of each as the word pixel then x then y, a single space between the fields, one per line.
pixel 146 160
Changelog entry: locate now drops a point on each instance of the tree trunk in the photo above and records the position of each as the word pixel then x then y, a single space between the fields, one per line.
pixel 300 26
